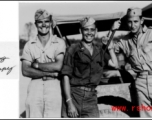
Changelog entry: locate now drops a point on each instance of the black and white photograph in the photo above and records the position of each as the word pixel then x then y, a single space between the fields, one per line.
pixel 89 59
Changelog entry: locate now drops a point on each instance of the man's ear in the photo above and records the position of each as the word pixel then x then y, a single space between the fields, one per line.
pixel 142 20
pixel 80 30
pixel 96 33
pixel 96 30
pixel 35 24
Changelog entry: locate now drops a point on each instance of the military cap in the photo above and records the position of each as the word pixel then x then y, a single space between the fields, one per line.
pixel 87 21
pixel 134 11
pixel 41 14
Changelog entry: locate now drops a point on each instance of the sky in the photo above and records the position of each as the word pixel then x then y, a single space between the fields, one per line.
pixel 28 9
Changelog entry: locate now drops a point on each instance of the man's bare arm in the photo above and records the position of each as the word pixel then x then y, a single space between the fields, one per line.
pixel 72 111
pixel 52 66
pixel 28 71
pixel 113 61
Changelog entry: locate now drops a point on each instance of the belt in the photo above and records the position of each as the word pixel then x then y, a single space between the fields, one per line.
pixel 47 78
pixel 149 72
pixel 146 72
pixel 87 88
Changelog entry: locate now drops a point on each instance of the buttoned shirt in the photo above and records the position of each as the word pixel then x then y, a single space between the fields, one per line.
pixel 138 49
pixel 82 68
pixel 34 50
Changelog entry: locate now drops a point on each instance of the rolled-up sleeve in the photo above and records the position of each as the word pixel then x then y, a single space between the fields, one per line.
pixel 61 48
pixel 67 68
pixel 26 53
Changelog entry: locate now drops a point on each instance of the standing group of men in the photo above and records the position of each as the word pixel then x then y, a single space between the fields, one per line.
pixel 80 66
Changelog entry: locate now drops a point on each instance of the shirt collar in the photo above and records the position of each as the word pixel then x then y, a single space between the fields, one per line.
pixel 52 38
pixel 96 49
pixel 144 29
pixel 82 47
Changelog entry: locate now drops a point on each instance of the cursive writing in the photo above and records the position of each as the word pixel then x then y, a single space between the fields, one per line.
pixel 8 69
pixel 2 59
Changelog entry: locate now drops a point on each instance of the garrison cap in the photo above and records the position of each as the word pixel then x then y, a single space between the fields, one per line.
pixel 134 11
pixel 87 21
pixel 41 14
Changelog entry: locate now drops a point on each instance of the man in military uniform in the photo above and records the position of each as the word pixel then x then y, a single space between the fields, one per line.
pixel 42 60
pixel 82 71
pixel 137 47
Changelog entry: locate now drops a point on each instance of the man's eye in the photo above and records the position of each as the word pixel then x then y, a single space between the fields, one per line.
pixel 92 29
pixel 85 29
pixel 47 21
pixel 39 22
pixel 129 21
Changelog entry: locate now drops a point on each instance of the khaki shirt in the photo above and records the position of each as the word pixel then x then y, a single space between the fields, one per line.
pixel 34 50
pixel 138 49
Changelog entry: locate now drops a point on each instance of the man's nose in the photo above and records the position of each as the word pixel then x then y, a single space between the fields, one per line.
pixel 132 24
pixel 89 31
pixel 43 24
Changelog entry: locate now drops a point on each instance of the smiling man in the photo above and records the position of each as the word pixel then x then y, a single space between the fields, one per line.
pixel 82 71
pixel 137 47
pixel 42 61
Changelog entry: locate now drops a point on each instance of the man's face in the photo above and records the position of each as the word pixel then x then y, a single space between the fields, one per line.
pixel 134 24
pixel 43 26
pixel 89 33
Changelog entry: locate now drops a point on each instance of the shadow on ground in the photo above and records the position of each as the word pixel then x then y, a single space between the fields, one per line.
pixel 23 114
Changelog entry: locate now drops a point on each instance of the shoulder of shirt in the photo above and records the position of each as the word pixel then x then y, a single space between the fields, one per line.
pixel 31 40
pixel 73 48
pixel 124 38
pixel 98 44
pixel 59 40
pixel 28 43
pixel 150 27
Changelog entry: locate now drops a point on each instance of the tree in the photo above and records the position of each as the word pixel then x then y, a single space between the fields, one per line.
pixel 29 30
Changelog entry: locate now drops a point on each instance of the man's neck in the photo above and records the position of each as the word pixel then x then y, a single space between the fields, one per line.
pixel 87 45
pixel 139 32
pixel 44 38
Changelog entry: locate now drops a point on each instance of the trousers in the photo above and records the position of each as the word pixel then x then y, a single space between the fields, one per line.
pixel 43 99
pixel 85 103
pixel 143 86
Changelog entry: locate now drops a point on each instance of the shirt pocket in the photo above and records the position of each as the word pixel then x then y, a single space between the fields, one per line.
pixel 80 68
pixel 133 58
pixel 50 56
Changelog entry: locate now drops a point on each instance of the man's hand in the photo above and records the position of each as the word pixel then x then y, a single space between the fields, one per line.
pixel 104 40
pixel 111 73
pixel 72 111
pixel 35 64
pixel 116 25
